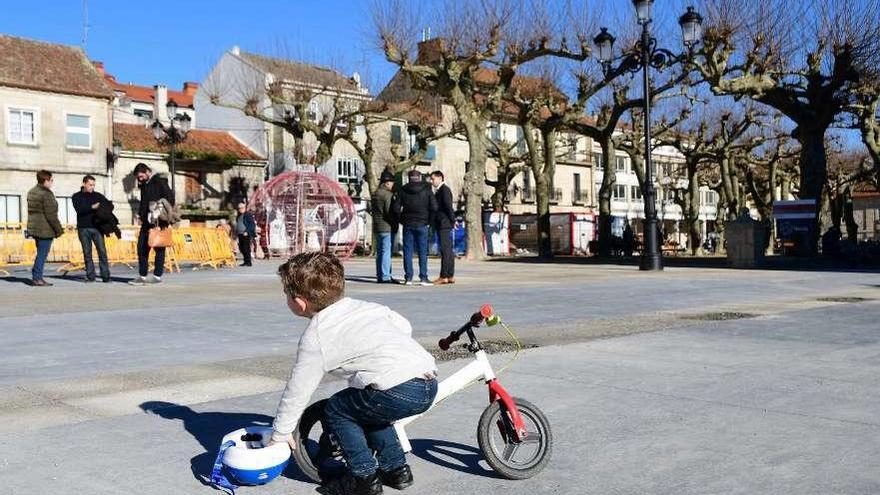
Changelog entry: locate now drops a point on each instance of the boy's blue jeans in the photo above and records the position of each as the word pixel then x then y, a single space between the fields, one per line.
pixel 361 421
pixel 415 238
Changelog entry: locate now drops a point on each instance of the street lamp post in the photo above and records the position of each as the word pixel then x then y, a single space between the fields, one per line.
pixel 173 134
pixel 645 56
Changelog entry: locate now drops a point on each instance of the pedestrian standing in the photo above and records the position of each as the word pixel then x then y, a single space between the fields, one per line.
pixel 385 226
pixel 444 221
pixel 86 203
pixel 154 188
pixel 246 230
pixel 415 206
pixel 628 240
pixel 43 224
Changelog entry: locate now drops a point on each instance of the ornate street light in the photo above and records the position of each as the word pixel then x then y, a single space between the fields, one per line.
pixel 645 56
pixel 176 131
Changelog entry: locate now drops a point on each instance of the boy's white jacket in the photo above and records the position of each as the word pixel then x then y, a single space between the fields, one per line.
pixel 366 343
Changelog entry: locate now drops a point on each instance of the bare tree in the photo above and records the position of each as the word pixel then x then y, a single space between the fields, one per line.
pixel 471 66
pixel 800 58
pixel 509 162
pixel 865 110
pixel 314 105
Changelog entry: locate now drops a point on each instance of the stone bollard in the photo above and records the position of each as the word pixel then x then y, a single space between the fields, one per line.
pixel 745 242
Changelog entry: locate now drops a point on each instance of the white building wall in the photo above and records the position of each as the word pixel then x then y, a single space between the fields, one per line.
pixel 234 82
pixel 20 162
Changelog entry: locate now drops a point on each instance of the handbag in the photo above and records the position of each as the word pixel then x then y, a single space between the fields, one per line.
pixel 159 237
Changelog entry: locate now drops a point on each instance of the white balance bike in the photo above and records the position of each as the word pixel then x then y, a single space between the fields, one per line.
pixel 514 435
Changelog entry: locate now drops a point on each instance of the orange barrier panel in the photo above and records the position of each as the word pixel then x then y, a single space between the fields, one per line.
pixel 199 246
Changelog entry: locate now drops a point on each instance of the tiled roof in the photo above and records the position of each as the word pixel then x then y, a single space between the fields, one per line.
pixel 290 70
pixel 145 94
pixel 400 90
pixel 49 67
pixel 136 137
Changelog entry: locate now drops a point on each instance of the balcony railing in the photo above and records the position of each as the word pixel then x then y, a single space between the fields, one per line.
pixel 528 195
pixel 555 195
pixel 578 197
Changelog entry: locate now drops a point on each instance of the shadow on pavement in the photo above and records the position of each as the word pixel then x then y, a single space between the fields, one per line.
pixel 19 280
pixel 452 455
pixel 209 428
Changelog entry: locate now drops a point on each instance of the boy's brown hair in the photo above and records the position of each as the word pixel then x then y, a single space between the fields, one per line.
pixel 316 277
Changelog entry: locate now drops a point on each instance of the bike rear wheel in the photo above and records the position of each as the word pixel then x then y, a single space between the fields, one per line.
pixel 512 459
pixel 317 454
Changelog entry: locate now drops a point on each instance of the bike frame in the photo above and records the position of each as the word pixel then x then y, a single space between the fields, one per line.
pixel 478 369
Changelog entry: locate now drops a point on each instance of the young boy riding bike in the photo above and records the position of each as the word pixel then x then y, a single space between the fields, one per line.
pixel 390 376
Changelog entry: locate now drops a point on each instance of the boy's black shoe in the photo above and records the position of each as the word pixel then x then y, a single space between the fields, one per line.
pixel 400 478
pixel 354 485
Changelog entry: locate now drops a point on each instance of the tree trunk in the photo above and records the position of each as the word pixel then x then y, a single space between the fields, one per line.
pixel 813 167
pixel 608 180
pixel 692 213
pixel 543 192
pixel 474 180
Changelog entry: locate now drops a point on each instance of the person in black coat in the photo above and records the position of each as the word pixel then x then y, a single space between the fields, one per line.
pixel 153 188
pixel 86 202
pixel 246 231
pixel 415 206
pixel 444 222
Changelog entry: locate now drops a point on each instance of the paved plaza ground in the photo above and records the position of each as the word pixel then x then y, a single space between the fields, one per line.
pixel 647 392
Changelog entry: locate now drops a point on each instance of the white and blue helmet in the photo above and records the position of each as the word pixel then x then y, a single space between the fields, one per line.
pixel 247 460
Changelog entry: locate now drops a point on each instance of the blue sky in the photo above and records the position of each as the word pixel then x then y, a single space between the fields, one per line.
pixel 163 41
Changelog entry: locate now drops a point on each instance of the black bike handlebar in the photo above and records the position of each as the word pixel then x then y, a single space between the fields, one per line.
pixel 476 318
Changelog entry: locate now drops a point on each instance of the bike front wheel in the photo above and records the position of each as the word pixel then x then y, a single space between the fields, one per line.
pixel 512 459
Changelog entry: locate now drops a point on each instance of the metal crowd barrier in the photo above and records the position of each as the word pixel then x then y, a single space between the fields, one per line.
pixel 197 246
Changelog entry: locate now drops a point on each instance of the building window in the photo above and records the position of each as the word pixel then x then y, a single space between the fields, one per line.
pixel 711 198
pixel 636 192
pixel 396 134
pixel 147 114
pixel 571 149
pixel 495 132
pixel 620 164
pixel 347 170
pixel 520 141
pixel 430 153
pixel 527 184
pixel 22 126
pixel 578 194
pixel 10 208
pixel 619 192
pixel 314 114
pixel 66 213
pixel 597 161
pixel 79 131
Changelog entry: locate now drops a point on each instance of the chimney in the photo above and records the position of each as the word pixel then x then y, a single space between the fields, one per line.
pixel 430 51
pixel 190 88
pixel 99 66
pixel 160 102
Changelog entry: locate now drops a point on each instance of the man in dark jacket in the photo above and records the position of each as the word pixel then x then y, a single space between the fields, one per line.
pixel 86 203
pixel 246 231
pixel 385 226
pixel 43 224
pixel 153 188
pixel 444 221
pixel 416 206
